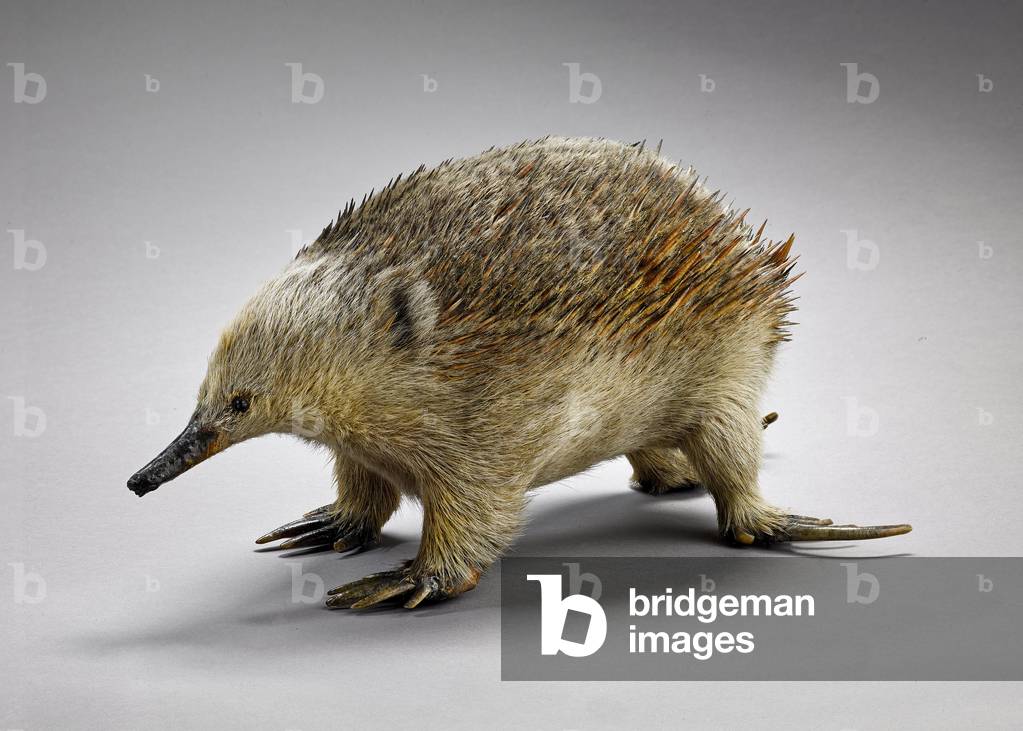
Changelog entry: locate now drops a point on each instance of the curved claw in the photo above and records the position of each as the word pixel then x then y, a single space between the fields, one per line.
pixel 344 600
pixel 806 532
pixel 806 528
pixel 353 540
pixel 769 419
pixel 390 591
pixel 320 537
pixel 321 528
pixel 395 584
pixel 424 592
pixel 295 528
pixel 348 595
pixel 359 583
pixel 363 585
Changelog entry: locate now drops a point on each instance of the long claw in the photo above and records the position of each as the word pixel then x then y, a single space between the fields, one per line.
pixel 769 419
pixel 801 532
pixel 342 602
pixel 319 537
pixel 403 583
pixel 345 596
pixel 355 589
pixel 351 540
pixel 388 592
pixel 361 583
pixel 294 528
pixel 425 591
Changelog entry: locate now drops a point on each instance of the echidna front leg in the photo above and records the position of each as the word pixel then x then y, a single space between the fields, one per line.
pixel 464 531
pixel 364 503
pixel 725 452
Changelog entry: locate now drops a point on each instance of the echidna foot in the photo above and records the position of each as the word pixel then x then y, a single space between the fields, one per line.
pixel 655 487
pixel 321 529
pixel 402 583
pixel 805 528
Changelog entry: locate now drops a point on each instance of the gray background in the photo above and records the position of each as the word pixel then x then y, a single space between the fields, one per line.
pixel 218 166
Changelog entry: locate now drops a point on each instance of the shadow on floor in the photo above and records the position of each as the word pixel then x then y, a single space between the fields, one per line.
pixel 266 617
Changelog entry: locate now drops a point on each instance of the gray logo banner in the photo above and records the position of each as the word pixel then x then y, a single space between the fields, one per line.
pixel 746 618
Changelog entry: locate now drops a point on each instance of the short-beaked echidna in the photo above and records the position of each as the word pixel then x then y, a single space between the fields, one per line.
pixel 498 323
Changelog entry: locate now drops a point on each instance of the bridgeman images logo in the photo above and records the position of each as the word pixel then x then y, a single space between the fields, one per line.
pixel 761 618
pixel 555 610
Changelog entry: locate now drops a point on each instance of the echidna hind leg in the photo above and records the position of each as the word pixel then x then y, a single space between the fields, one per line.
pixel 661 471
pixel 725 455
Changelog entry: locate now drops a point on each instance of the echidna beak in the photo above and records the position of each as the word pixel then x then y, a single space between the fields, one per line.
pixel 195 444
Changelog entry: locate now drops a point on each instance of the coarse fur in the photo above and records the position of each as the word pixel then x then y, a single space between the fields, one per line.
pixel 498 323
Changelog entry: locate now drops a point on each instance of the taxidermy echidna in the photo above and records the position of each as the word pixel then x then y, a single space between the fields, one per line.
pixel 495 324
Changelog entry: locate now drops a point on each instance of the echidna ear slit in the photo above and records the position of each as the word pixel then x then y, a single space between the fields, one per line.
pixel 403 326
pixel 404 308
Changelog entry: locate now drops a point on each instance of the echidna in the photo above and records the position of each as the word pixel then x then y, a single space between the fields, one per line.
pixel 495 324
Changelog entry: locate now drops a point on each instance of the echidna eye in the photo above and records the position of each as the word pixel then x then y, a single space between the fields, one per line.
pixel 240 404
